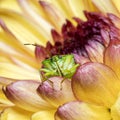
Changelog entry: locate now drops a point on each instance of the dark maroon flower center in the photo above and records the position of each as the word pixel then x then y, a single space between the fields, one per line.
pixel 73 39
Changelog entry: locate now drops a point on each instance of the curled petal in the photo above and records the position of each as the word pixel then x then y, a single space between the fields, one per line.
pixel 4 102
pixel 81 111
pixel 95 51
pixel 15 114
pixel 105 36
pixel 112 56
pixel 40 53
pixel 80 59
pixel 56 36
pixel 56 90
pixel 94 81
pixel 24 95
pixel 115 20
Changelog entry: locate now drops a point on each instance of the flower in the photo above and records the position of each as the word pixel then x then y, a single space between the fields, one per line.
pixel 92 47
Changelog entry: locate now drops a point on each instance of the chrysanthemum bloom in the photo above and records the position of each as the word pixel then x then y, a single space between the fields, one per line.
pixel 80 83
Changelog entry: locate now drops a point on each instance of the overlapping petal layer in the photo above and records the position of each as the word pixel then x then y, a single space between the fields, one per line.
pixel 24 95
pixel 56 90
pixel 94 81
pixel 112 56
pixel 81 111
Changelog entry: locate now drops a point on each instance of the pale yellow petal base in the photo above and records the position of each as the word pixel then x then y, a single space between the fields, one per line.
pixel 15 114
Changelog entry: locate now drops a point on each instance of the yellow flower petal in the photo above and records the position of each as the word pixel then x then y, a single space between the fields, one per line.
pixel 78 6
pixel 112 56
pixel 7 38
pixel 78 11
pixel 94 81
pixel 43 115
pixel 4 59
pixel 64 7
pixel 82 111
pixel 15 114
pixel 115 110
pixel 6 81
pixel 24 30
pixel 12 71
pixel 24 95
pixel 4 102
pixel 54 14
pixel 106 6
pixel 8 4
pixel 116 3
pixel 40 22
pixel 10 56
